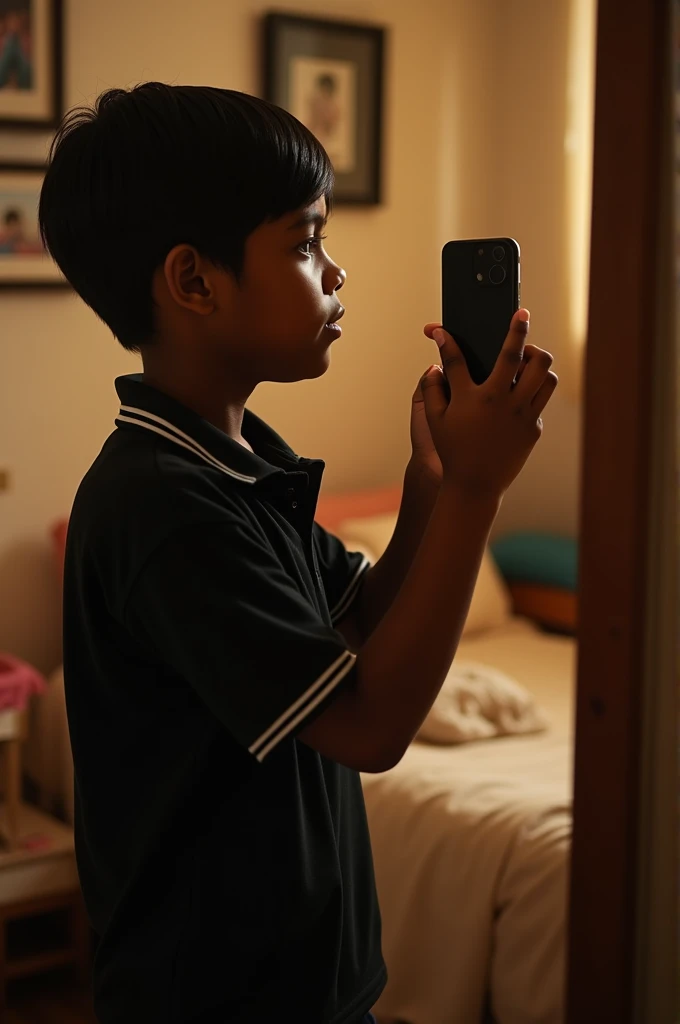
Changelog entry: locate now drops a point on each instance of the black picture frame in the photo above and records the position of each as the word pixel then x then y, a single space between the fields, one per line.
pixel 38 107
pixel 32 269
pixel 330 75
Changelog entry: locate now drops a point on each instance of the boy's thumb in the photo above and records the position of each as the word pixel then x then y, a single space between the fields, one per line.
pixel 434 392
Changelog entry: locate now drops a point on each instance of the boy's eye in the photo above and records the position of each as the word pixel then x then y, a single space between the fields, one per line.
pixel 309 247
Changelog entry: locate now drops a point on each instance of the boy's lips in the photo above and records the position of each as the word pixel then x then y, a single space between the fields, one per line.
pixel 332 325
pixel 336 316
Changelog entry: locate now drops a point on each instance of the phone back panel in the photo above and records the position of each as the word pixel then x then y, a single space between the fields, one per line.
pixel 477 305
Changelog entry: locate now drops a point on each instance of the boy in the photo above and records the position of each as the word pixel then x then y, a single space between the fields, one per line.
pixel 230 668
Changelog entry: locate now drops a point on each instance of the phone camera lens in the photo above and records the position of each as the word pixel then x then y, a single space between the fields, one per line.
pixel 498 252
pixel 497 274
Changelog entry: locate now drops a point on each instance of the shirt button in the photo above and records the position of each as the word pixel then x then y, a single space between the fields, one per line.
pixel 294 504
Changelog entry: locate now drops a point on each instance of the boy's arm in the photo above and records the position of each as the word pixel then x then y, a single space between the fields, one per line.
pixel 401 666
pixel 422 480
pixel 483 436
pixel 383 580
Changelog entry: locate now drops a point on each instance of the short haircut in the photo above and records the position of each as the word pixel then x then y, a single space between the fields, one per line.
pixel 160 165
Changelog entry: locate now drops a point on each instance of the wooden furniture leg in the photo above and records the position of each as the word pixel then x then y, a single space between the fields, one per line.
pixel 12 791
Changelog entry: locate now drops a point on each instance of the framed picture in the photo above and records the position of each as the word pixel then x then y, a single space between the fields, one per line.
pixel 23 260
pixel 31 63
pixel 329 75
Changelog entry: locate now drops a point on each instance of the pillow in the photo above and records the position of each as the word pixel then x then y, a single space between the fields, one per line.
pixel 478 702
pixel 541 558
pixel 491 604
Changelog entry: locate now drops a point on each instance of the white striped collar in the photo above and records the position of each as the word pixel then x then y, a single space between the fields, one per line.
pixel 145 408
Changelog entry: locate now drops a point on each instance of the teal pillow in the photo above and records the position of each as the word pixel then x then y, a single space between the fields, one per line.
pixel 541 558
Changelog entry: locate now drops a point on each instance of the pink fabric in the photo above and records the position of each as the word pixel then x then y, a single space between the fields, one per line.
pixel 18 682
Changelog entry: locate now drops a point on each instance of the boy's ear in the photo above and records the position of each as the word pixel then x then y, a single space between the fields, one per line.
pixel 190 280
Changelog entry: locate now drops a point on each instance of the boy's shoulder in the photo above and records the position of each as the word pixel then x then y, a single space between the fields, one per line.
pixel 136 474
pixel 138 492
pixel 165 473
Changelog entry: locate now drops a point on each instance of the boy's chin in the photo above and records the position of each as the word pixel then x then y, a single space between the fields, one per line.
pixel 311 370
pixel 323 365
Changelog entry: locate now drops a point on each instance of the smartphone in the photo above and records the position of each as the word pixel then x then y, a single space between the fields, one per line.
pixel 480 294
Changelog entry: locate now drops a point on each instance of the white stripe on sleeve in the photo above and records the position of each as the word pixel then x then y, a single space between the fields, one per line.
pixel 302 707
pixel 345 602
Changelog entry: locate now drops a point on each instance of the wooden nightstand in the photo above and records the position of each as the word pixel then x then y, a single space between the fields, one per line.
pixel 42 918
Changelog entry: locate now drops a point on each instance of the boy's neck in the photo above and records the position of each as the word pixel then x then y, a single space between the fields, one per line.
pixel 205 395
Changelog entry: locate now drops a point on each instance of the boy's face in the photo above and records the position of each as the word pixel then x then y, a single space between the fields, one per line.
pixel 278 321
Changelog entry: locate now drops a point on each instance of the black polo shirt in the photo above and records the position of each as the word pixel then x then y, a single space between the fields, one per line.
pixel 226 866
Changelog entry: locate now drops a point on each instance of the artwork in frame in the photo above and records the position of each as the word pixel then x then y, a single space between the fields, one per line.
pixel 23 260
pixel 329 75
pixel 31 64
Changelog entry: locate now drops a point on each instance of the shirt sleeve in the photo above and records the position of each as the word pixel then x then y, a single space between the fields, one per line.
pixel 215 606
pixel 342 571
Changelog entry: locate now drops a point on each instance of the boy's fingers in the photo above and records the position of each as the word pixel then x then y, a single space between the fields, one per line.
pixel 530 352
pixel 433 391
pixel 511 355
pixel 535 367
pixel 544 393
pixel 429 329
pixel 453 361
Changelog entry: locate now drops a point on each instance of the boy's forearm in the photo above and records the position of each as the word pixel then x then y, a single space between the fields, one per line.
pixel 384 579
pixel 404 662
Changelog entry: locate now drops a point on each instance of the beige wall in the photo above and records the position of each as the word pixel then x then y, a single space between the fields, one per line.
pixel 515 185
pixel 474 94
pixel 529 144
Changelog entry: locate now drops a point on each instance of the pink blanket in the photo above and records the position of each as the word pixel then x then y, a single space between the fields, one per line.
pixel 18 681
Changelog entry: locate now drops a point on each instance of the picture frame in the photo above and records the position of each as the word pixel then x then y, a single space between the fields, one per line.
pixel 329 74
pixel 31 64
pixel 23 260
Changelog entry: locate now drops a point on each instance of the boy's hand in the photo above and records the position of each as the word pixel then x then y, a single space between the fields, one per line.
pixel 484 434
pixel 425 462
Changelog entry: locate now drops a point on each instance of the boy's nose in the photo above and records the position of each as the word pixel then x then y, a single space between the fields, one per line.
pixel 341 276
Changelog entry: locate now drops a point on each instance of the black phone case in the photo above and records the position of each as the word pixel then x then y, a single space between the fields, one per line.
pixel 477 313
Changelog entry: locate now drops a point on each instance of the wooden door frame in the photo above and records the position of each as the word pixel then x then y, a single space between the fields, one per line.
pixel 631 41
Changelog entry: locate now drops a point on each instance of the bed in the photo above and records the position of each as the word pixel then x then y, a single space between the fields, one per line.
pixel 470 840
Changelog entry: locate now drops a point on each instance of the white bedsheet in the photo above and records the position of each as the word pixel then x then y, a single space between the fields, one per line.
pixel 471 849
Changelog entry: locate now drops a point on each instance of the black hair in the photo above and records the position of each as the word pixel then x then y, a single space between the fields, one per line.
pixel 12 216
pixel 160 165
